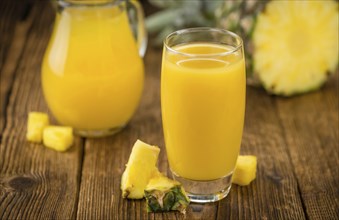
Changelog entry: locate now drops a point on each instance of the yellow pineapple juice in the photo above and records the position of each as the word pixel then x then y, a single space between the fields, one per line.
pixel 203 104
pixel 92 74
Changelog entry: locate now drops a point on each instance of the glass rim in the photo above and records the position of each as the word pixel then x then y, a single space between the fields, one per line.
pixel 82 3
pixel 205 29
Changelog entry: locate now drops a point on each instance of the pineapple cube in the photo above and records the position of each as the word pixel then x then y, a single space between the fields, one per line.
pixel 164 194
pixel 59 138
pixel 245 170
pixel 139 169
pixel 37 121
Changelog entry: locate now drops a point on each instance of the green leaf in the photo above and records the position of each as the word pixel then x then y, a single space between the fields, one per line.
pixel 159 20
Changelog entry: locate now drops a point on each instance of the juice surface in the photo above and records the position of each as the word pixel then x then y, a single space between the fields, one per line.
pixel 203 104
pixel 92 74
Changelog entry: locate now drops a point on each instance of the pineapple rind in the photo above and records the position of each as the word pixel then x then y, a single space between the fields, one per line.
pixel 139 169
pixel 163 194
pixel 37 121
pixel 59 138
pixel 296 45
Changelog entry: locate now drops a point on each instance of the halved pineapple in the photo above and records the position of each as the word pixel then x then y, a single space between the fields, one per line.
pixel 37 121
pixel 296 45
pixel 164 194
pixel 245 170
pixel 59 138
pixel 139 169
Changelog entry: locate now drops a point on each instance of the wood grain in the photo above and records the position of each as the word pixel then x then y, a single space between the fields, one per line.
pixel 35 182
pixel 311 127
pixel 14 25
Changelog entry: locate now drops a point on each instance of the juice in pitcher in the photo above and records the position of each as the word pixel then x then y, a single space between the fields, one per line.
pixel 203 104
pixel 92 74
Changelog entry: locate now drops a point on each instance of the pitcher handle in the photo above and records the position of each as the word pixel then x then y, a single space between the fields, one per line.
pixel 136 17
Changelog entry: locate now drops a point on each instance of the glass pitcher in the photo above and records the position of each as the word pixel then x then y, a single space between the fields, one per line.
pixel 92 71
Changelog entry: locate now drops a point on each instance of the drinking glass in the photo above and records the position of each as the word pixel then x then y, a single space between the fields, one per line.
pixel 203 85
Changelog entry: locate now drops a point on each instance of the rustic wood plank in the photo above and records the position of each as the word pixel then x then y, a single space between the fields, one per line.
pixel 311 127
pixel 274 194
pixel 35 182
pixel 14 25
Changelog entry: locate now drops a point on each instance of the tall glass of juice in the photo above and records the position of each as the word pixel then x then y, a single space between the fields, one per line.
pixel 203 84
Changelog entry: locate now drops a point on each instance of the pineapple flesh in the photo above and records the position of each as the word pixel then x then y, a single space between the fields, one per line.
pixel 296 45
pixel 245 170
pixel 37 121
pixel 164 194
pixel 139 169
pixel 59 138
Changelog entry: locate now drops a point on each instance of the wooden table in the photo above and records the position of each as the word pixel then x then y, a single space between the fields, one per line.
pixel 295 140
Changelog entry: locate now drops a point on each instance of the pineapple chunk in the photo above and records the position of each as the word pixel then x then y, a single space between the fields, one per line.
pixel 37 121
pixel 296 45
pixel 245 170
pixel 59 138
pixel 139 169
pixel 164 194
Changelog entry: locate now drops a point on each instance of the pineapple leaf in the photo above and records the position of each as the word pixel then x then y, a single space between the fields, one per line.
pixel 159 20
